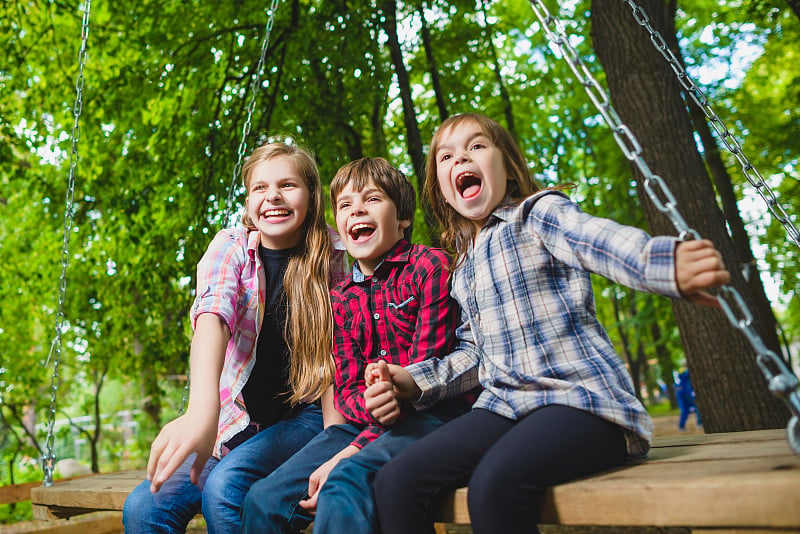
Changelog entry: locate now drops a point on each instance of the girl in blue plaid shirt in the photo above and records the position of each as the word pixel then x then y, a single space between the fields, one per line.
pixel 557 402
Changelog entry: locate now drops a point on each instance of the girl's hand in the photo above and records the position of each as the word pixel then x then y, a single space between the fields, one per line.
pixel 402 382
pixel 176 441
pixel 379 397
pixel 377 372
pixel 699 266
pixel 320 475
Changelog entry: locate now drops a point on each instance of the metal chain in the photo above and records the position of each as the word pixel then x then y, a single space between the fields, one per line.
pixel 49 459
pixel 241 152
pixel 750 171
pixel 254 86
pixel 781 381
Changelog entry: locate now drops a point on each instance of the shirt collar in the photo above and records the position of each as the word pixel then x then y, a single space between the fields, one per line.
pixel 253 240
pixel 399 253
pixel 505 210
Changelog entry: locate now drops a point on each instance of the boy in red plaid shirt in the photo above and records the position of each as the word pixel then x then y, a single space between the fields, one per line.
pixel 395 307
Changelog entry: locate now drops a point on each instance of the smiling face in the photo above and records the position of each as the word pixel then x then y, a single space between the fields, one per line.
pixel 277 203
pixel 368 223
pixel 470 172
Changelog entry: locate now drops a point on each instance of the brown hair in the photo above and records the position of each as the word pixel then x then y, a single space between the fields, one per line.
pixel 387 178
pixel 458 232
pixel 309 324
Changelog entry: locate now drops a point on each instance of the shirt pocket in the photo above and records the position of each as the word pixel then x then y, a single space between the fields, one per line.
pixel 403 315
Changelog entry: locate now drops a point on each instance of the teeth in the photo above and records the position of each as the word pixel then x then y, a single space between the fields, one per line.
pixel 272 213
pixel 360 226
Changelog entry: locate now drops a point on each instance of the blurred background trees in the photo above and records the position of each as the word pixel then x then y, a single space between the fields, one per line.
pixel 165 101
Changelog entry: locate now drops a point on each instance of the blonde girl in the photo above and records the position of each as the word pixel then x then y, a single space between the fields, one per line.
pixel 260 358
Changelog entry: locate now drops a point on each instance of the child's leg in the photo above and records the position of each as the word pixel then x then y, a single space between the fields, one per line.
pixel 272 504
pixel 226 486
pixel 550 446
pixel 346 498
pixel 407 489
pixel 169 510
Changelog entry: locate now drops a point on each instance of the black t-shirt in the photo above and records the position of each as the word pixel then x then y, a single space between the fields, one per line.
pixel 266 391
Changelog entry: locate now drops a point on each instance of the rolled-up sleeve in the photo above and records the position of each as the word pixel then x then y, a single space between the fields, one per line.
pixel 451 375
pixel 218 279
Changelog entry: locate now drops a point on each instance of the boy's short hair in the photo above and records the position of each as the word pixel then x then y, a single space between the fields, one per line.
pixel 387 178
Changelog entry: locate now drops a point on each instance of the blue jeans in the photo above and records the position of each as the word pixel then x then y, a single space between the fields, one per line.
pixel 223 483
pixel 345 502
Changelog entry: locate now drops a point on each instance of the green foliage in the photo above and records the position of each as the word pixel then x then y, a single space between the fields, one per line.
pixel 164 106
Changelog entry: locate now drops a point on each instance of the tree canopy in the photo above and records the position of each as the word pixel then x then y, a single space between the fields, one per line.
pixel 163 109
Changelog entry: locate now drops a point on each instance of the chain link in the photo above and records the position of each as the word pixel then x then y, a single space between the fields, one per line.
pixel 242 150
pixel 49 459
pixel 782 382
pixel 254 87
pixel 751 173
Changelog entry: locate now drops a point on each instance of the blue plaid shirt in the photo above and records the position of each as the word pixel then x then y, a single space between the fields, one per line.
pixel 530 335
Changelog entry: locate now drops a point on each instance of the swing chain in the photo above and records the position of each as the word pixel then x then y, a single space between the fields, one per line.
pixel 628 142
pixel 254 85
pixel 241 151
pixel 751 173
pixel 782 382
pixel 49 459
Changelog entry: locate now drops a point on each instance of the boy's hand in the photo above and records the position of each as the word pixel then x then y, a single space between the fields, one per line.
pixel 698 266
pixel 320 476
pixel 402 382
pixel 377 372
pixel 379 397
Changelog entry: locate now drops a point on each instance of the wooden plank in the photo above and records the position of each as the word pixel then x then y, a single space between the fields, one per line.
pixel 744 480
pixel 727 437
pixel 96 523
pixel 734 481
pixel 17 492
pixel 100 492
pixel 22 492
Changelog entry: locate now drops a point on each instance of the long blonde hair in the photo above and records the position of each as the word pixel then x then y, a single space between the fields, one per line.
pixel 458 232
pixel 309 323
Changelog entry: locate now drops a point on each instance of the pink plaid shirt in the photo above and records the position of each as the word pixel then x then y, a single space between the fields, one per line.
pixel 231 285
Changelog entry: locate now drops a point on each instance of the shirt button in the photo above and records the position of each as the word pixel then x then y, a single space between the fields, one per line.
pixel 383 352
pixel 376 316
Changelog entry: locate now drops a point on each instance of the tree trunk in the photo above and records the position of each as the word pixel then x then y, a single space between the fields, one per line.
pixel 731 391
pixel 665 362
pixel 633 364
pixel 433 69
pixel 730 209
pixel 413 137
pixel 498 74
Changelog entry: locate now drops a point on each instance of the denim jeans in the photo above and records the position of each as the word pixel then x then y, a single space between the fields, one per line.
pixel 223 483
pixel 345 502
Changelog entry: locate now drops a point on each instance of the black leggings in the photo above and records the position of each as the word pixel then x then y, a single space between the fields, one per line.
pixel 507 465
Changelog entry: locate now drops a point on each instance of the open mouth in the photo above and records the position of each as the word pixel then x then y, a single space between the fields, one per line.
pixel 276 213
pixel 468 185
pixel 361 232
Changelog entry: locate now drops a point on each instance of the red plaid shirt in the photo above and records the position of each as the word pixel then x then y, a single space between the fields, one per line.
pixel 402 314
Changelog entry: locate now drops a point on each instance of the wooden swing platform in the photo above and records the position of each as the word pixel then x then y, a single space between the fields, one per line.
pixel 746 482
